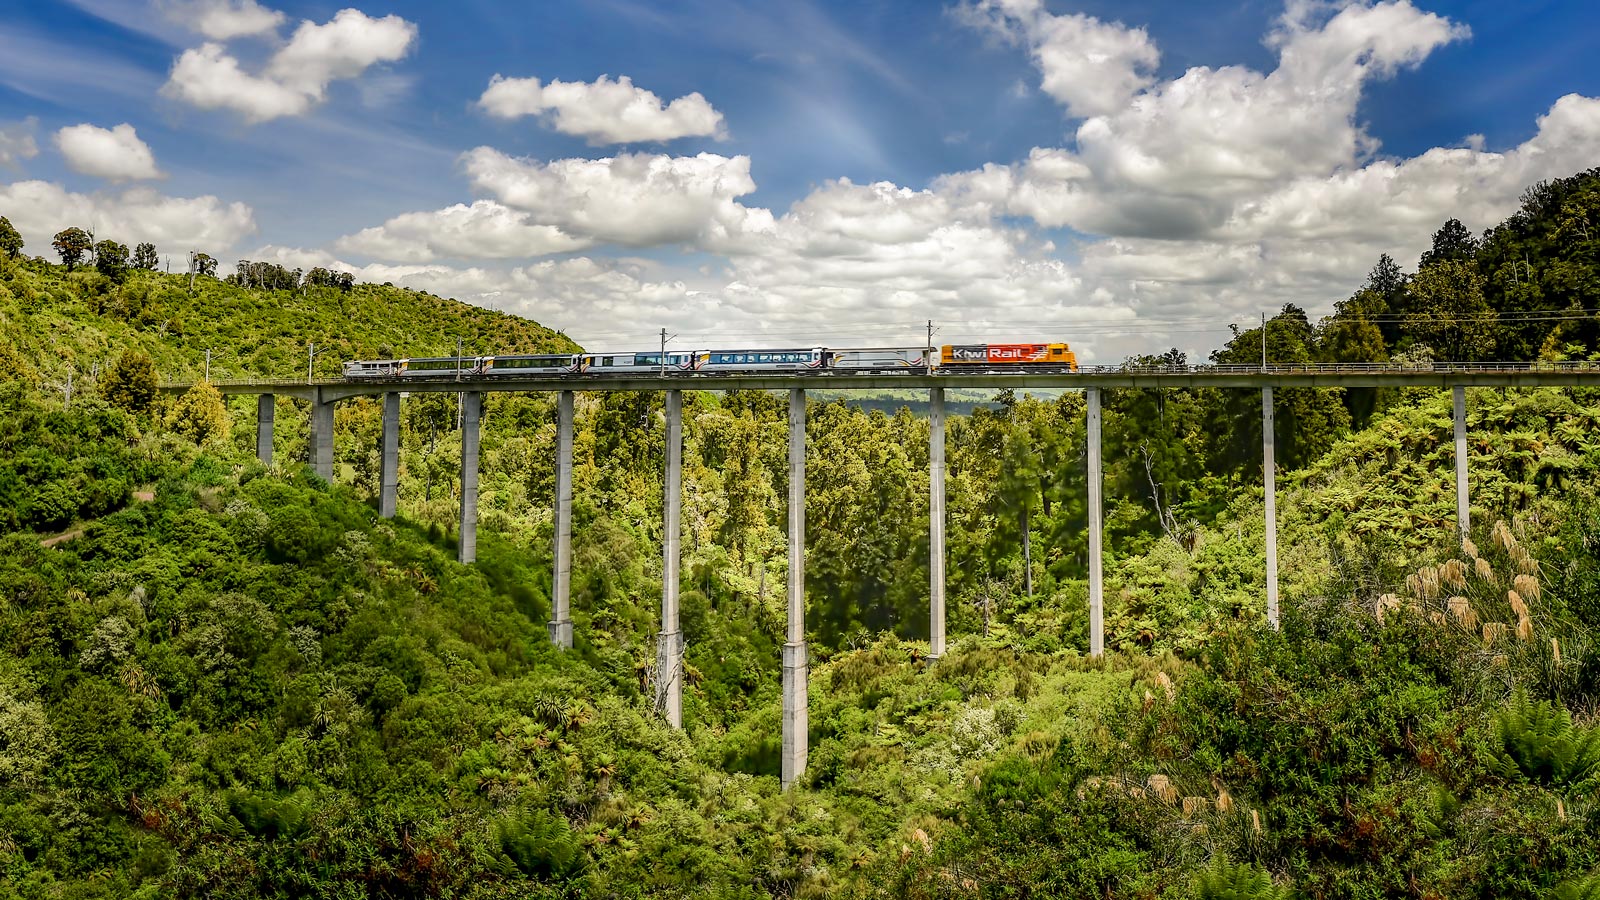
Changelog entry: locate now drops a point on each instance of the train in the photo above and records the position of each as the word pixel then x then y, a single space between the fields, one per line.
pixel 1041 357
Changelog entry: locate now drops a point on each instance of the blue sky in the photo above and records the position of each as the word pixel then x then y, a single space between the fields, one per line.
pixel 1132 209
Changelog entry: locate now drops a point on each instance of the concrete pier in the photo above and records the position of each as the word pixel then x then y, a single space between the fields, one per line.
pixel 1269 477
pixel 1097 609
pixel 471 415
pixel 561 587
pixel 669 646
pixel 1463 510
pixel 796 723
pixel 935 523
pixel 266 410
pixel 389 457
pixel 321 436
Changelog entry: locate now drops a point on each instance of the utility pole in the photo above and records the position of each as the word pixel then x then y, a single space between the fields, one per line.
pixel 208 364
pixel 663 351
pixel 311 359
pixel 929 358
pixel 1263 342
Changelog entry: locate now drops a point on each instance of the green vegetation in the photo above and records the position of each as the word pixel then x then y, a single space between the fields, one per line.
pixel 220 680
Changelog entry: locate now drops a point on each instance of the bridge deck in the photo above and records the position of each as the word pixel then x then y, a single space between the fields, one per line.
pixel 1443 375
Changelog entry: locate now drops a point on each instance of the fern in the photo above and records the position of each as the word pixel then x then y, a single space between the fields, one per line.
pixel 1538 742
pixel 1578 889
pixel 542 845
pixel 1242 881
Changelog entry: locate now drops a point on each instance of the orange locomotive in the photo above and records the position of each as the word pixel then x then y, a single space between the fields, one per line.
pixel 991 356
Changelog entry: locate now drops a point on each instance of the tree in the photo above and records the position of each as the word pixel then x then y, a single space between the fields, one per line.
pixel 144 257
pixel 72 244
pixel 1449 312
pixel 1451 242
pixel 10 239
pixel 111 258
pixel 131 382
pixel 199 414
pixel 205 264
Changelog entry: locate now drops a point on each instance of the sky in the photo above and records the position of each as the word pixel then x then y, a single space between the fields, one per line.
pixel 1125 176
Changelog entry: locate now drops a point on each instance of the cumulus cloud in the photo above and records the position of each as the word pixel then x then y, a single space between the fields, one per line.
pixel 297 76
pixel 344 47
pixel 484 230
pixel 224 20
pixel 1091 67
pixel 115 154
pixel 207 77
pixel 17 142
pixel 604 112
pixel 1175 160
pixel 558 293
pixel 39 209
pixel 629 199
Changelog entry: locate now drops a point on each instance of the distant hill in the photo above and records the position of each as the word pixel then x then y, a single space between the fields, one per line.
pixel 59 320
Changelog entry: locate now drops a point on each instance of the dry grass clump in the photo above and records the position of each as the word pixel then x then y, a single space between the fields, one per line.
pixel 1527 586
pixel 1386 604
pixel 1493 632
pixel 1461 609
pixel 1484 571
pixel 1454 574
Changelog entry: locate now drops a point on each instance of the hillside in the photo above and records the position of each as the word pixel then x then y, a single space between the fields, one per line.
pixel 82 320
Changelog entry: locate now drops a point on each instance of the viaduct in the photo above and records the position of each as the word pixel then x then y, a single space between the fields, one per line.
pixel 324 393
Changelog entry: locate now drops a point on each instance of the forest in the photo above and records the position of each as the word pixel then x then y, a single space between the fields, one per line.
pixel 223 680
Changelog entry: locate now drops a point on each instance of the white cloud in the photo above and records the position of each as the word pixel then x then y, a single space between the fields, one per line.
pixel 484 230
pixel 17 142
pixel 298 74
pixel 579 295
pixel 1091 67
pixel 629 199
pixel 115 154
pixel 347 45
pixel 39 209
pixel 604 112
pixel 224 20
pixel 209 78
pixel 1175 160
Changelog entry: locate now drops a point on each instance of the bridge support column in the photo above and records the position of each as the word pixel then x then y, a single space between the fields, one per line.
pixel 561 587
pixel 1097 626
pixel 669 647
pixel 935 523
pixel 321 435
pixel 795 721
pixel 471 414
pixel 1463 510
pixel 389 457
pixel 266 410
pixel 1269 477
